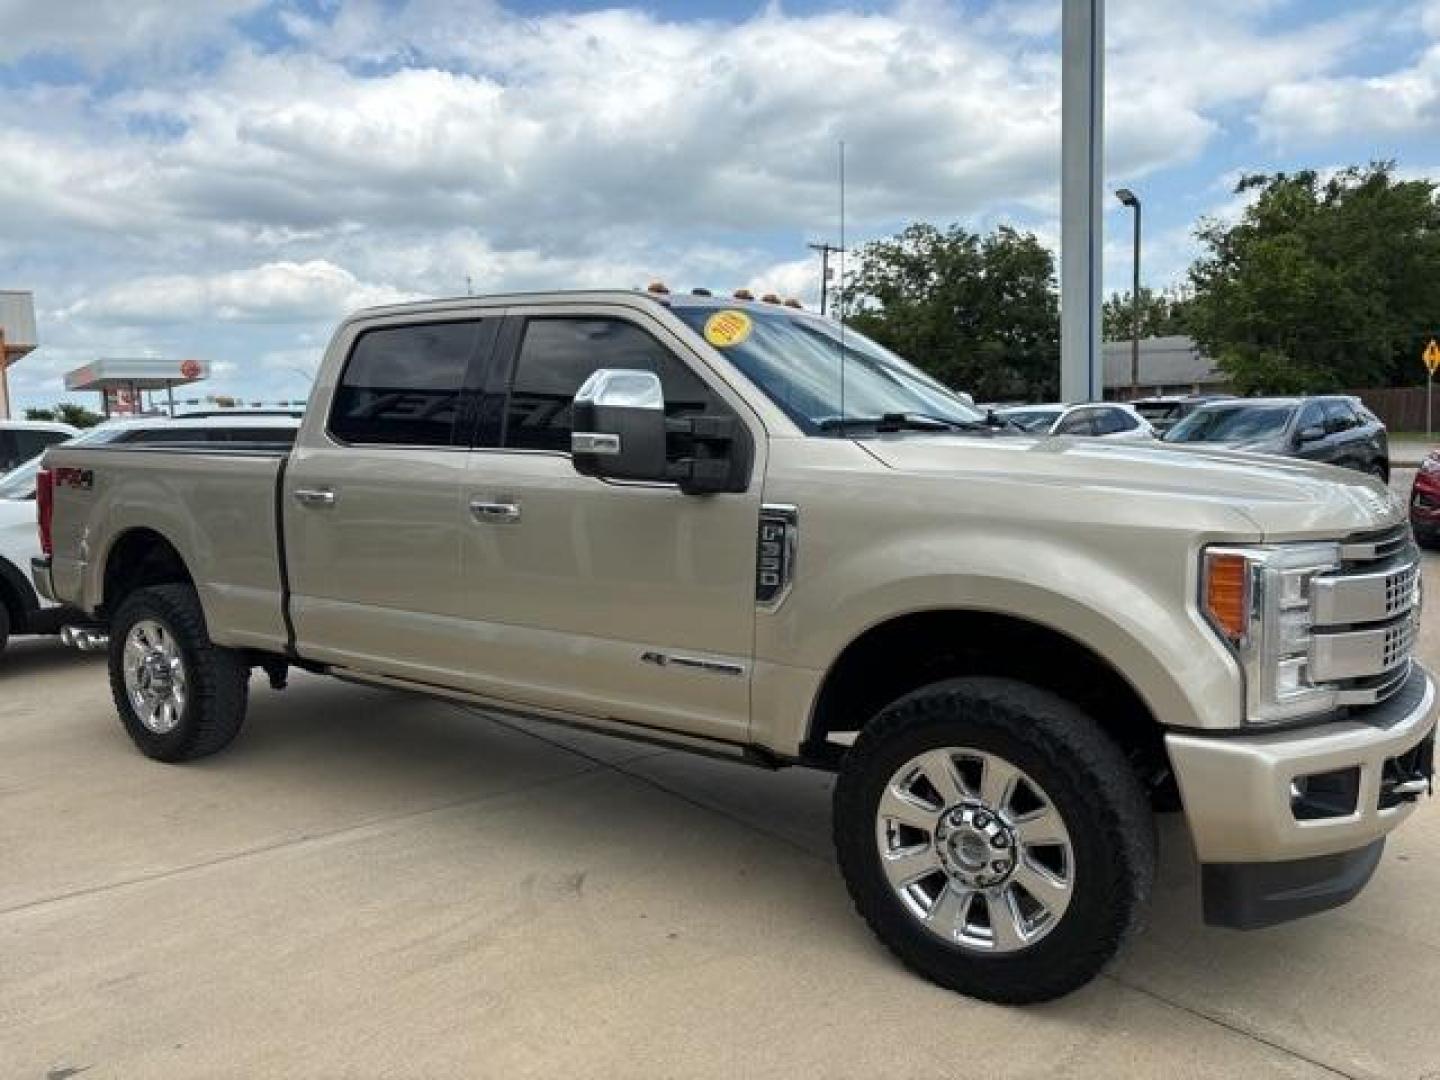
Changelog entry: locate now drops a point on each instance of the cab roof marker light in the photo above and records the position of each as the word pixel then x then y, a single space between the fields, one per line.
pixel 743 294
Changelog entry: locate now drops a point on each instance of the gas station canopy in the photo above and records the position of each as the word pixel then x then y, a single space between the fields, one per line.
pixel 121 381
pixel 112 373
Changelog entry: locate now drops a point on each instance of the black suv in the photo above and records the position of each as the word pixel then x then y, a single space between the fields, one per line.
pixel 1336 430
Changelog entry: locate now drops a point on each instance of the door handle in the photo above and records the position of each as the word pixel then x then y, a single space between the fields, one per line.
pixel 494 513
pixel 314 496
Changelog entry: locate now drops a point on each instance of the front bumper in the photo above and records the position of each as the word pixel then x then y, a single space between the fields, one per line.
pixel 1241 797
pixel 40 575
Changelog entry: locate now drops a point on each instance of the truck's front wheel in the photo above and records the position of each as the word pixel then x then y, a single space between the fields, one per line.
pixel 995 838
pixel 179 695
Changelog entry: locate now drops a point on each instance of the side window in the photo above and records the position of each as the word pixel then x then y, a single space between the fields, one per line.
pixel 8 460
pixel 559 354
pixel 1079 422
pixel 1339 416
pixel 1312 415
pixel 401 385
pixel 28 443
pixel 1114 421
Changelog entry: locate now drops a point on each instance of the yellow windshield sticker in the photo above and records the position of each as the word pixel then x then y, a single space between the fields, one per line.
pixel 727 328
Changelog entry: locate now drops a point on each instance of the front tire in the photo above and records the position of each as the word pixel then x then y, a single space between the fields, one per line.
pixel 994 838
pixel 179 695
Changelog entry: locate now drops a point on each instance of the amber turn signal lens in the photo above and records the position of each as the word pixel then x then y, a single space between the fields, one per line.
pixel 1227 593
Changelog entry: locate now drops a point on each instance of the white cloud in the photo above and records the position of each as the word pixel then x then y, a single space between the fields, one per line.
pixel 101 29
pixel 276 292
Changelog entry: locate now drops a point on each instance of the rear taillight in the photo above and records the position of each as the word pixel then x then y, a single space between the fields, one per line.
pixel 45 507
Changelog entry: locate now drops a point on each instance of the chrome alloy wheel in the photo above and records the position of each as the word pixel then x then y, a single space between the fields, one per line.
pixel 975 850
pixel 155 679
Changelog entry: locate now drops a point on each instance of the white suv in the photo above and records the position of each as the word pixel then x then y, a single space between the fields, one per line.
pixel 21 440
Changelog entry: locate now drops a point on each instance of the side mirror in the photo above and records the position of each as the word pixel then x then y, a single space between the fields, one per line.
pixel 1313 433
pixel 619 425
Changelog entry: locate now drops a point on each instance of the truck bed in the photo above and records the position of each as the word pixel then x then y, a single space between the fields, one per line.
pixel 217 509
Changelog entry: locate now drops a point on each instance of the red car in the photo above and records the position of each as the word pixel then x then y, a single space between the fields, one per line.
pixel 1425 502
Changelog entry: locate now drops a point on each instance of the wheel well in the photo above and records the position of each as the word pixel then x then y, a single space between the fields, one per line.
pixel 139 559
pixel 892 659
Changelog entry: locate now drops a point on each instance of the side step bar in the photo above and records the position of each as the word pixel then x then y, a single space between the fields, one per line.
pixel 695 744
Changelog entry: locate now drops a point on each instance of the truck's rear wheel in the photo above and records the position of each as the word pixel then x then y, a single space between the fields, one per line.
pixel 179 696
pixel 994 838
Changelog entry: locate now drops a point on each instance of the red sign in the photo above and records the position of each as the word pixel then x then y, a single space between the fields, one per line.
pixel 190 369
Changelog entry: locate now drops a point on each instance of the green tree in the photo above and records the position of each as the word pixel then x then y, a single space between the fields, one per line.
pixel 980 313
pixel 1161 315
pixel 66 412
pixel 1323 284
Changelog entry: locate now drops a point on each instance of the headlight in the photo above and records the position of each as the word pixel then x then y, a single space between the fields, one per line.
pixel 1258 600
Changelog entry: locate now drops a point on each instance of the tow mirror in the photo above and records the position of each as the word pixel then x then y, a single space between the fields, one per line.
pixel 618 429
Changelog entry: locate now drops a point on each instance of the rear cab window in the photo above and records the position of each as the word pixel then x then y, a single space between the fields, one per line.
pixel 403 385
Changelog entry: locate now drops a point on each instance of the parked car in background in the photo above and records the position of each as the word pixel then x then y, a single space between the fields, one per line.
pixel 20 440
pixel 22 610
pixel 1101 419
pixel 1335 430
pixel 269 430
pixel 1425 502
pixel 1166 411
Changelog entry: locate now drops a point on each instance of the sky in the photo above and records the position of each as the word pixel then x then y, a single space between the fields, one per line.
pixel 224 180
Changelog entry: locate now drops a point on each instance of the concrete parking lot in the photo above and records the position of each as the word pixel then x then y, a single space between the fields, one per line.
pixel 375 885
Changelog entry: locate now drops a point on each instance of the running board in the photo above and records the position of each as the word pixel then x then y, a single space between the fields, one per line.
pixel 695 744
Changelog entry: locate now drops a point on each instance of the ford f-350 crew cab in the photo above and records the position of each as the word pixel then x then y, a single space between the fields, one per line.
pixel 738 528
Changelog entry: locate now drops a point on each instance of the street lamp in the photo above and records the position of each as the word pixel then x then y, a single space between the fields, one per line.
pixel 1128 198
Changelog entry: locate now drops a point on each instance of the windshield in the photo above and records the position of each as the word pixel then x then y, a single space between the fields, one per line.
pixel 1233 423
pixel 794 359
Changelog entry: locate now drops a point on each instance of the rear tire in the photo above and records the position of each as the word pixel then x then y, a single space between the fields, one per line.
pixel 179 695
pixel 1070 822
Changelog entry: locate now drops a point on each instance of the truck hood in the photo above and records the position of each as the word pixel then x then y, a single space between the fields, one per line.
pixel 1285 498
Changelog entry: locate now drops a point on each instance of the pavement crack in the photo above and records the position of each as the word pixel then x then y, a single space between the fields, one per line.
pixel 282 844
pixel 1233 1028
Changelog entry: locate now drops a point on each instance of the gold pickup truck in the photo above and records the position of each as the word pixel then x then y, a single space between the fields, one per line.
pixel 734 527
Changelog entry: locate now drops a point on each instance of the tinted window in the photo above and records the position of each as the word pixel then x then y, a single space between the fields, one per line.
pixel 1158 410
pixel 1312 415
pixel 28 443
pixel 1079 422
pixel 557 355
pixel 1114 421
pixel 402 384
pixel 1339 416
pixel 8 457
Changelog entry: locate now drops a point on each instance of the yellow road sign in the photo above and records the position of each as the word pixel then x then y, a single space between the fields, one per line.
pixel 1432 356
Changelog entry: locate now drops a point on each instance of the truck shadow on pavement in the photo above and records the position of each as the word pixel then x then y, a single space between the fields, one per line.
pixel 26 657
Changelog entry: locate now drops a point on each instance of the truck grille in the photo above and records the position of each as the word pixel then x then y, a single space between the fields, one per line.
pixel 1367 617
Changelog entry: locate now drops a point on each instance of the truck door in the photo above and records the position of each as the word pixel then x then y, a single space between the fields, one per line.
pixel 372 503
pixel 617 600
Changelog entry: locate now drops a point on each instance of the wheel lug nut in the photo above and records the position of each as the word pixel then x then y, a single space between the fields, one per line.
pixel 981 819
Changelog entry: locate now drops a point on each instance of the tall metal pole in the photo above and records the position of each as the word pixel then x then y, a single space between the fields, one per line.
pixel 1082 223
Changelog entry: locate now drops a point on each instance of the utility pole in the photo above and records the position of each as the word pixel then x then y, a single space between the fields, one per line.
pixel 825 251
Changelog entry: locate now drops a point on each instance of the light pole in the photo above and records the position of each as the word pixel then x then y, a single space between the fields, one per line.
pixel 1128 198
